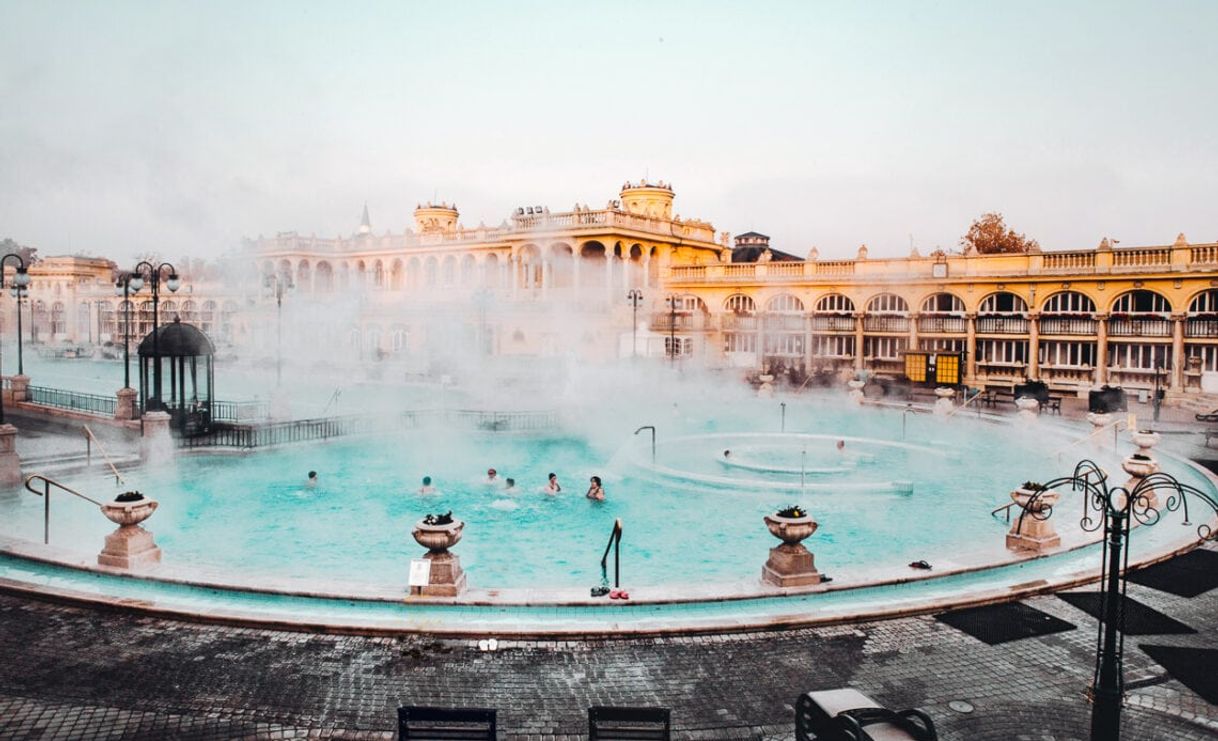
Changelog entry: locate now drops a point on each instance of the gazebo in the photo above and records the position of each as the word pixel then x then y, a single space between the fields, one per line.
pixel 191 375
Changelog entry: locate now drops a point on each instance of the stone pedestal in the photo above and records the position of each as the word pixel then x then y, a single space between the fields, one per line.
pixel 790 564
pixel 21 388
pixel 156 443
pixel 1029 409
pixel 130 546
pixel 447 578
pixel 943 404
pixel 1098 422
pixel 1142 464
pixel 1030 532
pixel 10 464
pixel 856 390
pixel 124 408
pixel 766 390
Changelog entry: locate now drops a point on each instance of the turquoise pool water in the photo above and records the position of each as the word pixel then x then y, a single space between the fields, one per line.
pixel 688 519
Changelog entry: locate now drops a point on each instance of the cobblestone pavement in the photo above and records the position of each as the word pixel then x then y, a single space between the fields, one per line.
pixel 68 672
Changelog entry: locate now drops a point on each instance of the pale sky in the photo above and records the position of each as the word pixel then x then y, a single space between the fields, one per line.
pixel 181 127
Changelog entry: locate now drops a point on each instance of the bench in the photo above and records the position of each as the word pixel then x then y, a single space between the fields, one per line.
pixel 446 724
pixel 849 715
pixel 1054 405
pixel 629 724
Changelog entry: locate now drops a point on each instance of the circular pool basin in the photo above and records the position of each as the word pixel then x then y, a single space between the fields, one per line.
pixel 244 537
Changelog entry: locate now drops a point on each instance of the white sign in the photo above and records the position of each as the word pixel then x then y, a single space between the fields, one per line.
pixel 420 572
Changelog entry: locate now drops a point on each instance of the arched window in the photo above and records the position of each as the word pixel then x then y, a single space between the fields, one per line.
pixel 1141 302
pixel 1069 302
pixel 835 303
pixel 58 323
pixel 740 304
pixel 1003 303
pixel 943 304
pixel 690 303
pixel 1205 302
pixel 887 303
pixel 785 303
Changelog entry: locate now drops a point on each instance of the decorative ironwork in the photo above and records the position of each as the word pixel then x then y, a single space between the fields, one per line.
pixel 1116 509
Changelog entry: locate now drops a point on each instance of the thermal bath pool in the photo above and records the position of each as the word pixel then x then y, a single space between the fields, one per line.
pixel 693 530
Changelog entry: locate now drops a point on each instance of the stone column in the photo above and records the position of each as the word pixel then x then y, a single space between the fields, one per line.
pixel 625 260
pixel 970 348
pixel 913 331
pixel 1101 349
pixel 858 340
pixel 808 356
pixel 514 272
pixel 10 463
pixel 547 277
pixel 125 408
pixel 759 333
pixel 575 261
pixel 647 269
pixel 1033 345
pixel 609 275
pixel 1177 352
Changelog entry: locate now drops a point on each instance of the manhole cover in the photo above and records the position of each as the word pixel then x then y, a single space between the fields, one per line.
pixel 960 706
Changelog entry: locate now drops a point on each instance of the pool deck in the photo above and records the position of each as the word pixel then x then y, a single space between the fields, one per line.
pixel 78 673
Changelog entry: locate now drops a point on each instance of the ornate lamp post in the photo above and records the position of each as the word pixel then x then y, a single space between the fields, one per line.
pixel 125 286
pixel 146 270
pixel 19 293
pixel 1115 509
pixel 21 279
pixel 276 285
pixel 635 297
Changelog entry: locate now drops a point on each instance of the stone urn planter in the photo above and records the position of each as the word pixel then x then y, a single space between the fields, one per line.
pixel 1142 464
pixel 447 578
pixel 856 390
pixel 1031 527
pixel 1028 408
pixel 130 546
pixel 766 390
pixel 790 564
pixel 943 404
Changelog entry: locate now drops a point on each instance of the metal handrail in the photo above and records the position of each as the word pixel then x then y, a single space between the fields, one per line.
pixel 1004 508
pixel 968 400
pixel 47 483
pixel 615 542
pixel 1115 426
pixel 89 436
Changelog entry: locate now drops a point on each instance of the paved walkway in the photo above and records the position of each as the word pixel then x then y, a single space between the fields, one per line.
pixel 73 673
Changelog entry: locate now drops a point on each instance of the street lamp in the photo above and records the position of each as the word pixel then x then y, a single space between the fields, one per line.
pixel 20 293
pixel 276 284
pixel 145 270
pixel 1116 509
pixel 672 300
pixel 635 297
pixel 21 279
pixel 125 286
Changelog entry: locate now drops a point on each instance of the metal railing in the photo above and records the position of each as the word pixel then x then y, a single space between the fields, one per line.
pixel 502 421
pixel 47 483
pixel 280 433
pixel 102 406
pixel 615 542
pixel 239 411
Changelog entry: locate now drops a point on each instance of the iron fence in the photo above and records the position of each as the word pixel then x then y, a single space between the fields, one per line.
pixel 102 406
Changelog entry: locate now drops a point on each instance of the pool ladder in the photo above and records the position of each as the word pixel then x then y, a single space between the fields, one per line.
pixel 47 483
pixel 615 542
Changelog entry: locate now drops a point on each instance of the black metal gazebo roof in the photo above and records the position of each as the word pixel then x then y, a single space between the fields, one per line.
pixel 176 340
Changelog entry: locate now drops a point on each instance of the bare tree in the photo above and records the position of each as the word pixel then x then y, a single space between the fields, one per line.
pixel 989 235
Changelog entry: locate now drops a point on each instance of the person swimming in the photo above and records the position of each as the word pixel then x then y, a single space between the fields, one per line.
pixel 552 485
pixel 312 482
pixel 727 454
pixel 492 476
pixel 511 485
pixel 596 491
pixel 427 488
pixel 841 446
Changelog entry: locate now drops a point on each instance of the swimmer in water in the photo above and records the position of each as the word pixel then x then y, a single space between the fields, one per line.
pixel 312 482
pixel 511 485
pixel 552 486
pixel 492 477
pixel 841 446
pixel 596 491
pixel 427 488
pixel 727 454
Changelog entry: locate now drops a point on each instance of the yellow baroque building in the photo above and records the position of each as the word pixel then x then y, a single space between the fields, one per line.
pixel 1074 319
